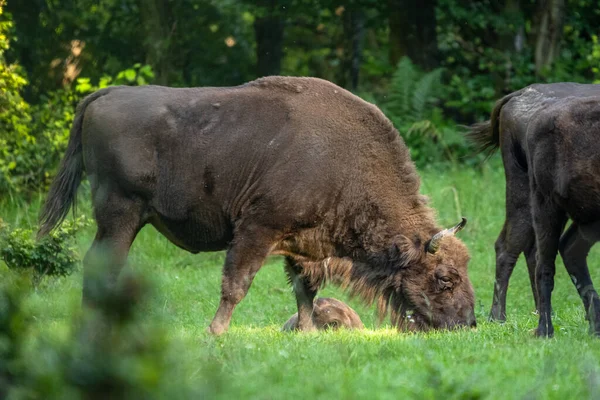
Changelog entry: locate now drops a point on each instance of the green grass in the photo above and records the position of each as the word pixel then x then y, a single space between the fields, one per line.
pixel 255 360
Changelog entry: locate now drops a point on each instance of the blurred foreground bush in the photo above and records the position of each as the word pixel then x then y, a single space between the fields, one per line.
pixel 110 352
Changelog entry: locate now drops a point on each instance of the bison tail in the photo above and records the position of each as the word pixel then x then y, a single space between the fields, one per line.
pixel 482 136
pixel 486 135
pixel 63 190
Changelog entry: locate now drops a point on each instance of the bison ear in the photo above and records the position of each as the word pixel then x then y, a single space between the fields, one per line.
pixel 408 251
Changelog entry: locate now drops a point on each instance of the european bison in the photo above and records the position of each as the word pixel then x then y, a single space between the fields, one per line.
pixel 290 166
pixel 548 136
pixel 329 313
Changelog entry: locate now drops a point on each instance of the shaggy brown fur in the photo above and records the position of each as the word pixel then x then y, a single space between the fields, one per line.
pixel 548 137
pixel 329 313
pixel 281 165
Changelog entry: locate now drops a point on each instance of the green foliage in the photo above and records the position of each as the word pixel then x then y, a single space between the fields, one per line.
pixel 13 328
pixel 412 104
pixel 109 353
pixel 33 137
pixel 14 111
pixel 488 49
pixel 56 254
pixel 137 75
pixel 35 142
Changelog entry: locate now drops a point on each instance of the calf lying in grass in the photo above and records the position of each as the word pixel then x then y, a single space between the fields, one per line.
pixel 329 313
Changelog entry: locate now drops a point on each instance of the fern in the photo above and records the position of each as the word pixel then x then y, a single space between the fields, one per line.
pixel 412 92
pixel 401 88
pixel 423 92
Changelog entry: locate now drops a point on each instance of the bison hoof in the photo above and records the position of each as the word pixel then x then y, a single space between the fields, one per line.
pixel 216 329
pixel 544 332
pixel 496 318
pixel 595 328
pixel 496 314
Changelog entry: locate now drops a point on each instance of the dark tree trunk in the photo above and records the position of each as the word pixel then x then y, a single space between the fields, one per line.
pixel 154 15
pixel 268 30
pixel 510 41
pixel 549 22
pixel 354 32
pixel 412 26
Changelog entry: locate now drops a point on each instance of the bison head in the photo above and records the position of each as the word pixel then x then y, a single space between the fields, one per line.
pixel 435 291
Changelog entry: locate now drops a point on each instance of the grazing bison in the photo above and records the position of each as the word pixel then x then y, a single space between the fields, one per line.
pixel 329 313
pixel 291 166
pixel 548 136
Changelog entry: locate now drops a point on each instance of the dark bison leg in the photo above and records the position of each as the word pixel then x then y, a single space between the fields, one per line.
pixel 119 220
pixel 517 236
pixel 530 254
pixel 245 256
pixel 574 248
pixel 305 294
pixel 549 222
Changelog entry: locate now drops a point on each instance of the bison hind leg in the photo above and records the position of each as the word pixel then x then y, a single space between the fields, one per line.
pixel 118 221
pixel 575 245
pixel 305 291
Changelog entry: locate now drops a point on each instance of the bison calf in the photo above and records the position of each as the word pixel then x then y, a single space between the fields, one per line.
pixel 329 313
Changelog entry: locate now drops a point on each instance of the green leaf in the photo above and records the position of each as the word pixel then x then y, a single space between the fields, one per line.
pixel 130 74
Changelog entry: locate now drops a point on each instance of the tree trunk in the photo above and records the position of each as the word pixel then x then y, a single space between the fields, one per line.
pixel 354 32
pixel 154 15
pixel 510 41
pixel 412 26
pixel 550 16
pixel 268 30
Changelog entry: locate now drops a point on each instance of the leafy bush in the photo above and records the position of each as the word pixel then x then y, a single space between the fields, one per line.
pixel 137 75
pixel 412 105
pixel 488 50
pixel 13 327
pixel 14 112
pixel 36 136
pixel 109 353
pixel 56 254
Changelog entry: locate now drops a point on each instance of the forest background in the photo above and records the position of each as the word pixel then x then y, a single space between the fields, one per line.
pixel 429 64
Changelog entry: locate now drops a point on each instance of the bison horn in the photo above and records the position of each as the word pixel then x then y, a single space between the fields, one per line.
pixel 434 243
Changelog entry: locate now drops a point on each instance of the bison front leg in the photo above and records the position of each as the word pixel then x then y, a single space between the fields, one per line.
pixel 517 236
pixel 574 247
pixel 305 294
pixel 549 222
pixel 244 258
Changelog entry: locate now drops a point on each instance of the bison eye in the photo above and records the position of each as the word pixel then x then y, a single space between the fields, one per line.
pixel 445 283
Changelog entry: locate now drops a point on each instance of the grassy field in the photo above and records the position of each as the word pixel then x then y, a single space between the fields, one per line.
pixel 255 360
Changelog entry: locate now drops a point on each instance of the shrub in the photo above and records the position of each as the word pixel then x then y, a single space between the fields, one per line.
pixel 14 112
pixel 109 353
pixel 412 105
pixel 35 136
pixel 56 254
pixel 13 327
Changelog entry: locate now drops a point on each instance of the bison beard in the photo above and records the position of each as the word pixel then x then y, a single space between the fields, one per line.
pixel 291 166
